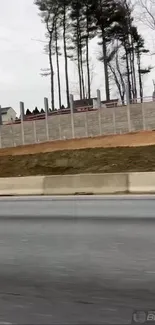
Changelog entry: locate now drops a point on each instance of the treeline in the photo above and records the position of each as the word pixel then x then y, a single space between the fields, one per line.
pixel 37 112
pixel 72 24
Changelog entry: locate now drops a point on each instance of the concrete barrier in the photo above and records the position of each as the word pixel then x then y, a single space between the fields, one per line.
pixel 79 184
pixel 32 185
pixel 86 184
pixel 141 182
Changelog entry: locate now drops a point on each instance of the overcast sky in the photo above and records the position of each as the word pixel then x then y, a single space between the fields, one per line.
pixel 21 58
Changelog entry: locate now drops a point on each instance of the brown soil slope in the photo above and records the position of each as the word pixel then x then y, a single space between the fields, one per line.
pixel 95 160
pixel 132 139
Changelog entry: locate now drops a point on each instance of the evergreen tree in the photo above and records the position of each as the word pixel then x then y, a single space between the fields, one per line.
pixel 49 11
pixel 121 31
pixel 28 112
pixel 36 111
pixel 77 23
pixel 56 51
pixel 89 31
pixel 105 12
pixel 64 6
pixel 140 50
pixel 76 52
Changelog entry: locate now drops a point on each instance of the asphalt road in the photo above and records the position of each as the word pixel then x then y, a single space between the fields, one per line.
pixel 76 260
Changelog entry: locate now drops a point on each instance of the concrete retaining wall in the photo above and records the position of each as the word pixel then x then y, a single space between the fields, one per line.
pixel 85 183
pixel 22 185
pixel 141 182
pixel 79 184
pixel 87 124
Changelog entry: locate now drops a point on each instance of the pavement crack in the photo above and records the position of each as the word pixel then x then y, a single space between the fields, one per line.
pixel 10 294
pixel 84 302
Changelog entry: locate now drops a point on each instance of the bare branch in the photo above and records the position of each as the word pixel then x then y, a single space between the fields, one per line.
pixel 148 13
pixel 45 72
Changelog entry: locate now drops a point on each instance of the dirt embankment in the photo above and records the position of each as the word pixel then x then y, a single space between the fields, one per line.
pixel 106 154
pixel 95 160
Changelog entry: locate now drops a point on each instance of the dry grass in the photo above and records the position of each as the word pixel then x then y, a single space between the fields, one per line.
pixel 131 139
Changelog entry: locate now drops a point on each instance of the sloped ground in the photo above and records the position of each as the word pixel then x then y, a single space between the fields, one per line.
pixel 95 160
pixel 106 154
pixel 131 139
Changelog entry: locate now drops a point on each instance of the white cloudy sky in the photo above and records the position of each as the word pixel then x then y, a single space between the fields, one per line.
pixel 21 58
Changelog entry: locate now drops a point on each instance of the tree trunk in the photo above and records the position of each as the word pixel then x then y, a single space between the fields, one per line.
pixel 132 67
pixel 79 73
pixel 87 59
pixel 78 58
pixel 133 70
pixel 140 77
pixel 81 66
pixel 52 73
pixel 118 84
pixel 121 79
pixel 57 61
pixel 65 56
pixel 107 88
pixel 128 72
pixel 82 80
pixel 131 73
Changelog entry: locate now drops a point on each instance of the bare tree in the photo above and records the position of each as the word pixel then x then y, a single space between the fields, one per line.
pixel 117 70
pixel 75 85
pixel 148 13
pixel 88 85
pixel 45 72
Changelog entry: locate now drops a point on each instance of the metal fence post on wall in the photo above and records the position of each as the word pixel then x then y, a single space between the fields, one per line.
pixel 99 109
pixel 129 118
pixel 60 127
pixel 86 124
pixel 143 116
pixel 114 119
pixel 128 108
pixel 12 131
pixel 72 115
pixel 98 98
pixel 34 130
pixel 46 116
pixel 22 115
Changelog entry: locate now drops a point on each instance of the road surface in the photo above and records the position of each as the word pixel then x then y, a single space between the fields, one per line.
pixel 76 260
